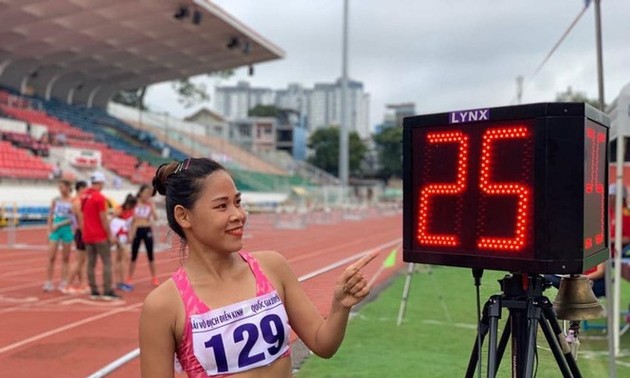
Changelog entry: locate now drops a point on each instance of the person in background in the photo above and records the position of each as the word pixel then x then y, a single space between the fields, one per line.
pixel 625 214
pixel 223 301
pixel 120 227
pixel 144 215
pixel 625 226
pixel 59 231
pixel 97 236
pixel 56 171
pixel 597 274
pixel 77 271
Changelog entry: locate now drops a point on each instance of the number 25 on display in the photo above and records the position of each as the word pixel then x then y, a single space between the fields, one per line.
pixel 488 186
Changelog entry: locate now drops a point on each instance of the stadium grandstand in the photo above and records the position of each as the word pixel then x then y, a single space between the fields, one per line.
pixel 62 61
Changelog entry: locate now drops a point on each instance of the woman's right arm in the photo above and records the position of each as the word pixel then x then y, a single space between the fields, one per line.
pixel 157 340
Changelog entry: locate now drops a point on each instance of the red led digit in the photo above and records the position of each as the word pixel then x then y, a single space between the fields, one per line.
pixel 593 186
pixel 491 188
pixel 442 189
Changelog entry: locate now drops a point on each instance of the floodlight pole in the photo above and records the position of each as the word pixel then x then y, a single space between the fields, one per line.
pixel 600 68
pixel 343 128
pixel 613 317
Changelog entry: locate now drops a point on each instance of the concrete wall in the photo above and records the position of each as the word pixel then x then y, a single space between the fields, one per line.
pixel 26 195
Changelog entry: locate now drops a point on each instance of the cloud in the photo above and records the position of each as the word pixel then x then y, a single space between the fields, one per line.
pixel 442 55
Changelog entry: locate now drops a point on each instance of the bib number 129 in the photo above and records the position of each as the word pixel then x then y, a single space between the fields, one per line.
pixel 270 329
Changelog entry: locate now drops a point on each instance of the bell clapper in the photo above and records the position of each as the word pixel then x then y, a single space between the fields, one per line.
pixel 572 337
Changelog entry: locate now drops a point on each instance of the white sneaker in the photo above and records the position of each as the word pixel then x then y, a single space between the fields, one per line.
pixel 62 286
pixel 48 287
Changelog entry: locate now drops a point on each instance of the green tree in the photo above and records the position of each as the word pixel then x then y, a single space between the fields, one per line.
pixel 389 149
pixel 570 96
pixel 189 93
pixel 324 143
pixel 264 111
pixel 131 97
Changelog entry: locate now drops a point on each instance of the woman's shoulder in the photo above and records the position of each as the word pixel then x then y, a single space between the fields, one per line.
pixel 268 257
pixel 271 262
pixel 162 300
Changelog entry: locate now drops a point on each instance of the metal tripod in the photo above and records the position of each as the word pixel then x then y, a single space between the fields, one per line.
pixel 528 309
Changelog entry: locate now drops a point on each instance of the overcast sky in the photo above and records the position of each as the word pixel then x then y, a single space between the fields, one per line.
pixel 442 55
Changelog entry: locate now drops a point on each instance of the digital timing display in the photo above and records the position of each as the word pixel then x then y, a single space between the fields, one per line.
pixel 475 188
pixel 518 188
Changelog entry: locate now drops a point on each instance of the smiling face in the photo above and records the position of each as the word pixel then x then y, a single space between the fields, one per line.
pixel 216 220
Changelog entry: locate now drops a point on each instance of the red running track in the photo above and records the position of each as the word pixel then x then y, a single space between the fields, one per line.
pixel 56 335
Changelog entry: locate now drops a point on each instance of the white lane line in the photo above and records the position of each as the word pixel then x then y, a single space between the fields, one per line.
pixel 347 260
pixel 136 352
pixel 91 302
pixel 116 364
pixel 33 284
pixel 22 272
pixel 18 300
pixel 57 330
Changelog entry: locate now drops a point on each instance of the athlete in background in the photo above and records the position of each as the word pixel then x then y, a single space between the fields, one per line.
pixel 144 215
pixel 121 226
pixel 59 232
pixel 78 268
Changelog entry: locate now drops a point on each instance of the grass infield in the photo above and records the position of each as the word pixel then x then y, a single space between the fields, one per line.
pixel 439 330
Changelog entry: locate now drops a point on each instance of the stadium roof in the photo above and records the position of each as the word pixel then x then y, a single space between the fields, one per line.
pixel 84 51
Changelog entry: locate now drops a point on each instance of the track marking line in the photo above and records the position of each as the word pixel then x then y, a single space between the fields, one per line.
pixel 18 300
pixel 339 263
pixel 57 330
pixel 37 247
pixel 91 302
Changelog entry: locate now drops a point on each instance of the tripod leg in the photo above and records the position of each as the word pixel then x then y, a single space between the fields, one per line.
pixel 488 323
pixel 403 303
pixel 494 313
pixel 474 355
pixel 482 331
pixel 558 343
pixel 505 337
pixel 556 350
pixel 533 314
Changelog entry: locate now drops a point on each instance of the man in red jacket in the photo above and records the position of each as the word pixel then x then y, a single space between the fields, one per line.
pixel 97 236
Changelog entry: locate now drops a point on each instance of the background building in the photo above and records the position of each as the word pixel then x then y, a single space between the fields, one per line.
pixel 234 102
pixel 320 106
pixel 395 113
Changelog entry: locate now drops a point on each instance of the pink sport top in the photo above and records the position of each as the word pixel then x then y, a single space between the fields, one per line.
pixel 233 338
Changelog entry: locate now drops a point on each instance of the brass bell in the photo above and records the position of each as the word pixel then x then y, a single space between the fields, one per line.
pixel 576 300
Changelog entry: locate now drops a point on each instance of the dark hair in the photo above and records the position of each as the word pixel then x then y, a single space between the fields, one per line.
pixel 142 188
pixel 80 185
pixel 181 184
pixel 130 202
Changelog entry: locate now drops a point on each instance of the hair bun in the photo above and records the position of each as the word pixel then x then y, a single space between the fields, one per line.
pixel 161 175
pixel 158 185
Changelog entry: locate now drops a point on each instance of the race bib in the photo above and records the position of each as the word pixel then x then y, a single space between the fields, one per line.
pixel 241 336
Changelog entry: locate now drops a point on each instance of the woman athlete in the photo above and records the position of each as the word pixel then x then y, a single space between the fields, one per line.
pixel 228 312
pixel 144 215
pixel 60 219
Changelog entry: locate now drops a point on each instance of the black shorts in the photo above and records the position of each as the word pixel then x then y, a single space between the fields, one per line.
pixel 78 241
